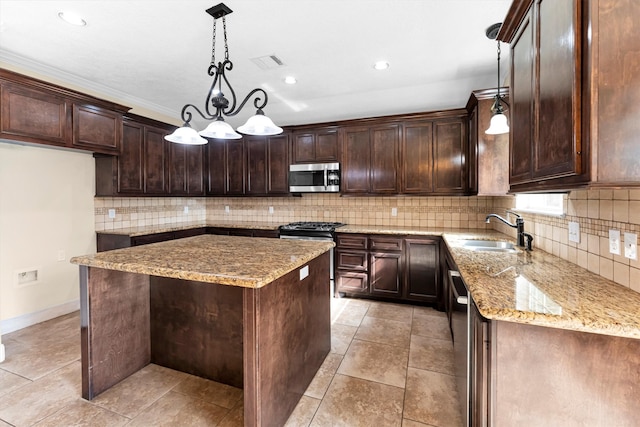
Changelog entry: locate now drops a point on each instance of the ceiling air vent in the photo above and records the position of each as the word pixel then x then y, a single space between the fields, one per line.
pixel 268 62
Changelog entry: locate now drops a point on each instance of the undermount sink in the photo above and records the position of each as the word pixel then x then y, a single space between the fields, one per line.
pixel 488 246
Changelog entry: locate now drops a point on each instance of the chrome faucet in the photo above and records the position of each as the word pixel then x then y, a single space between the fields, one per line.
pixel 519 226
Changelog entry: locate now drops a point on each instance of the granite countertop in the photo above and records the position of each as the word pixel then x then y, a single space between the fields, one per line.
pixel 229 260
pixel 163 228
pixel 538 288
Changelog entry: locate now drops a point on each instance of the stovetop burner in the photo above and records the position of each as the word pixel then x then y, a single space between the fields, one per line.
pixel 313 226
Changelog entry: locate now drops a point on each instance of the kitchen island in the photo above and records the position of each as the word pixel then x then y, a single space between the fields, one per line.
pixel 249 312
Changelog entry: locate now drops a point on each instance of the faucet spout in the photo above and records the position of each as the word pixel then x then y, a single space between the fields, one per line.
pixel 519 226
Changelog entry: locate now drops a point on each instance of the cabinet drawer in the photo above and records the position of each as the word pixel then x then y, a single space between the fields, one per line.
pixel 353 241
pixel 351 260
pixel 350 282
pixel 385 244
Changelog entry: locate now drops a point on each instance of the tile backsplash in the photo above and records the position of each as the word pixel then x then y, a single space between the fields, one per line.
pixel 596 211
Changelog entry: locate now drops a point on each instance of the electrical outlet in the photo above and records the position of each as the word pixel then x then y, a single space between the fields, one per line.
pixel 61 255
pixel 27 277
pixel 112 213
pixel 574 232
pixel 631 245
pixel 271 209
pixel 614 242
pixel 226 209
pixel 394 211
pixel 186 209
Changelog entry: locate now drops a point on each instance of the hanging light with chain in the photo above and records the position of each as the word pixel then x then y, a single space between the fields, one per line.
pixel 259 124
pixel 498 124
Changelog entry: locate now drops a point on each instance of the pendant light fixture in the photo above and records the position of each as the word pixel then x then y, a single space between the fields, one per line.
pixel 498 124
pixel 259 124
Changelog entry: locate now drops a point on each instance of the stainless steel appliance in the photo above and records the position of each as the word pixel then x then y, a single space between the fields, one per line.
pixel 313 231
pixel 460 329
pixel 314 178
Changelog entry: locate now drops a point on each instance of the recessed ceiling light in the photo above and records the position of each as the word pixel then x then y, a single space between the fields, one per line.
pixel 290 80
pixel 381 65
pixel 72 18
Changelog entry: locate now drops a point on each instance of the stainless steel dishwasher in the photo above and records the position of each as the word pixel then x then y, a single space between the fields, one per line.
pixel 460 329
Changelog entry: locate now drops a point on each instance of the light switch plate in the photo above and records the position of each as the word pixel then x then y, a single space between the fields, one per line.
pixel 186 209
pixel 631 245
pixel 112 213
pixel 614 242
pixel 226 209
pixel 574 232
pixel 271 209
pixel 394 211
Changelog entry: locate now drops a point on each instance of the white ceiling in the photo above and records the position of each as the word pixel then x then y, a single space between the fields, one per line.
pixel 154 54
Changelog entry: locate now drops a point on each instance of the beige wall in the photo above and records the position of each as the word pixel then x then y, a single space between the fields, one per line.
pixel 46 212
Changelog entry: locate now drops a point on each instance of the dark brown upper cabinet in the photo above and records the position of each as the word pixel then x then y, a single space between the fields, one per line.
pixel 315 145
pixel 142 166
pixel 370 159
pixel 254 166
pixel 421 154
pixel 573 93
pixel 42 113
pixel 186 169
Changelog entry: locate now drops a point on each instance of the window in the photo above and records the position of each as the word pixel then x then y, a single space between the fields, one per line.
pixel 549 204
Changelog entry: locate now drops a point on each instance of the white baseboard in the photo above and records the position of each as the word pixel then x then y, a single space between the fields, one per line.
pixel 29 319
pixel 1 353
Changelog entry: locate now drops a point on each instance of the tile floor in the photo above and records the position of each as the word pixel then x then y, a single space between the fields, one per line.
pixel 390 365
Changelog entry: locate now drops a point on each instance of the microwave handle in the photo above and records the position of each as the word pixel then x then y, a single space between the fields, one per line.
pixel 326 179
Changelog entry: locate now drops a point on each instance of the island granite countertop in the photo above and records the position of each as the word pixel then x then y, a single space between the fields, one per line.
pixel 227 260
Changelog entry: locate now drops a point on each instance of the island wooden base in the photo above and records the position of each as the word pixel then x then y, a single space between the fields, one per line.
pixel 269 340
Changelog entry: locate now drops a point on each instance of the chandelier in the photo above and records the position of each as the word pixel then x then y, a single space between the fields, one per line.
pixel 217 105
pixel 498 123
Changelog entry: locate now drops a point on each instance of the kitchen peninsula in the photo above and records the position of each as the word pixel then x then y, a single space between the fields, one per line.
pixel 249 312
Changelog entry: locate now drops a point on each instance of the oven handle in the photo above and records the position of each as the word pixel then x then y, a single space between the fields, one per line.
pixel 460 299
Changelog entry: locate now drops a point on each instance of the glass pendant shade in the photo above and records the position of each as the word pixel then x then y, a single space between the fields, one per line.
pixel 259 125
pixel 498 125
pixel 186 135
pixel 220 129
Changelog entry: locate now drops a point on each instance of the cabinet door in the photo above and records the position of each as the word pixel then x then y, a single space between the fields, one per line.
pixel 417 158
pixel 327 145
pixel 356 160
pixel 384 159
pixel 195 170
pixel 421 270
pixel 304 147
pixel 216 168
pixel 177 168
pixel 235 167
pixel 558 143
pixel 449 174
pixel 522 96
pixel 34 115
pixel 96 129
pixel 384 274
pixel 131 159
pixel 256 148
pixel 278 164
pixel 480 366
pixel 155 161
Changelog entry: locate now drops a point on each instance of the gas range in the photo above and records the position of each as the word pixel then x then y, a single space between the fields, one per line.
pixel 310 230
pixel 312 226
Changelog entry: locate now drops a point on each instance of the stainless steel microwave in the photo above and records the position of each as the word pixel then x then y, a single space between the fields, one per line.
pixel 314 178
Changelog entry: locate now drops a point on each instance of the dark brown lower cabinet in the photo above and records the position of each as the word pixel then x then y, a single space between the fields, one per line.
pixel 479 368
pixel 392 267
